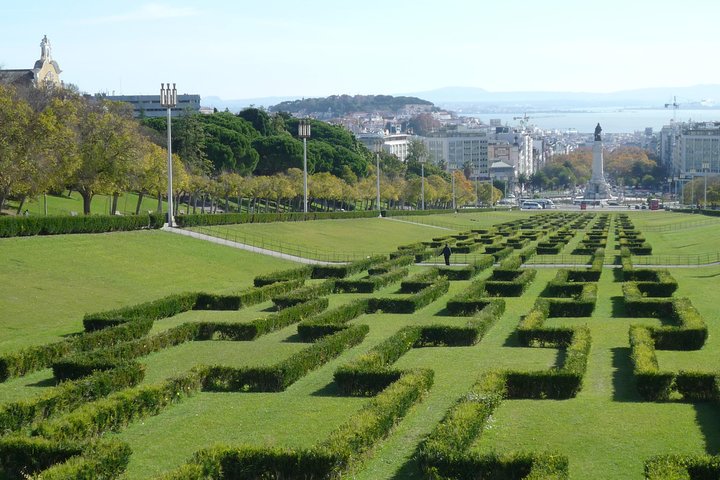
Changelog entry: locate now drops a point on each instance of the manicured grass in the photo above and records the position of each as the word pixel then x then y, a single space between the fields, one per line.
pixel 679 233
pixel 607 431
pixel 356 238
pixel 49 283
pixel 100 205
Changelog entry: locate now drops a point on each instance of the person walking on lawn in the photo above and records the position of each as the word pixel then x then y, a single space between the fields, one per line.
pixel 446 253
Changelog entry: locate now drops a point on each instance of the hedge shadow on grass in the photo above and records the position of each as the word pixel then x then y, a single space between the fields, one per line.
pixel 623 379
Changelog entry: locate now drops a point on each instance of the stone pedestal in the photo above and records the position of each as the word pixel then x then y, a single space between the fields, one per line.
pixel 597 188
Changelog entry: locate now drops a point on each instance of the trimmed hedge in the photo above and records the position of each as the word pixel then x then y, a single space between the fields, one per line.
pixel 304 294
pixel 331 321
pixel 119 409
pixel 469 271
pixel 31 359
pixel 98 461
pixel 343 448
pixel 21 456
pixel 276 378
pixel 197 220
pixel 419 281
pixel 651 383
pixel 154 310
pixel 470 334
pixel 369 374
pixel 372 282
pixel 20 226
pixel 683 467
pixel 386 266
pixel 510 288
pixel 342 271
pixel 300 273
pixel 175 304
pixel 446 452
pixel 67 396
pixel 411 303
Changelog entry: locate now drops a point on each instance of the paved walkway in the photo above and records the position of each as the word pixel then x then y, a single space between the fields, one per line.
pixel 249 248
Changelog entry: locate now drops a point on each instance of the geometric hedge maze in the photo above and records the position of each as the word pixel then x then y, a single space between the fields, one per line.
pixel 59 434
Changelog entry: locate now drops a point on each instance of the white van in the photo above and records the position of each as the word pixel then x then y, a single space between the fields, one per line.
pixel 530 205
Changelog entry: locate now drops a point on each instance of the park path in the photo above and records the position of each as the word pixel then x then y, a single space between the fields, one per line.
pixel 249 248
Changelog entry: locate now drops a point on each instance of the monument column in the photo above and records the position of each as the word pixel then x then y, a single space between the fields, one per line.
pixel 597 188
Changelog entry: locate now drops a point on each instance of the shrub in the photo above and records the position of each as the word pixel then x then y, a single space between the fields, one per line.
pixel 370 283
pixel 419 281
pixel 34 358
pixel 468 272
pixel 369 374
pixel 304 294
pixel 278 377
pixel 473 331
pixel 413 302
pixel 23 455
pixel 682 467
pixel 276 321
pixel 154 310
pixel 67 396
pixel 342 271
pixel 119 409
pixel 512 288
pixel 300 273
pixel 247 297
pixel 54 225
pixel 385 267
pixel 651 383
pixel 100 460
pixel 331 321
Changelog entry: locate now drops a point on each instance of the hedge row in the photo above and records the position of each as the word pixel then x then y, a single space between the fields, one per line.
pixel 419 281
pixel 300 273
pixel 386 266
pixel 276 378
pixel 80 365
pixel 683 467
pixel 304 294
pixel 556 383
pixel 446 452
pixel 119 409
pixel 410 303
pixel 331 321
pixel 175 304
pixel 198 220
pixel 22 456
pixel 20 226
pixel 67 396
pixel 371 283
pixel 31 359
pixel 342 271
pixel 569 299
pixel 654 384
pixel 471 333
pixel 510 288
pixel 344 447
pixel 369 373
pixel 77 366
pixel 466 273
pixel 690 331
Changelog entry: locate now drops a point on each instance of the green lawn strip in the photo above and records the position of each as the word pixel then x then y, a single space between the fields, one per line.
pixel 63 205
pixel 64 277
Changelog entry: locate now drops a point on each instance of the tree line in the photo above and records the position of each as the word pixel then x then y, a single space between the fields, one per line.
pixel 57 139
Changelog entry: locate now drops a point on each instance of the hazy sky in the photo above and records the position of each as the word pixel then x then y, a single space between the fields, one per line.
pixel 256 48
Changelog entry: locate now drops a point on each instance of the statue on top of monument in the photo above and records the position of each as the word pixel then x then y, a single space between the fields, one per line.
pixel 598 129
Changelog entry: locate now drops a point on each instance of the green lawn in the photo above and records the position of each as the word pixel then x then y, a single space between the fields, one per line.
pixel 607 431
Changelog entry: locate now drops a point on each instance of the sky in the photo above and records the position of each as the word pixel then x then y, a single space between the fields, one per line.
pixel 242 49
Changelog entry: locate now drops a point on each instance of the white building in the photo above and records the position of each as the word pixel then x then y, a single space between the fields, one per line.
pixel 395 144
pixel 460 148
pixel 149 105
pixel 687 148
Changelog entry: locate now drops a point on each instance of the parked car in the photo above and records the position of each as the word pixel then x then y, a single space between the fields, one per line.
pixel 527 205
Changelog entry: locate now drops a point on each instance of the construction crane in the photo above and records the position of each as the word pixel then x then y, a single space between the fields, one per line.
pixel 674 106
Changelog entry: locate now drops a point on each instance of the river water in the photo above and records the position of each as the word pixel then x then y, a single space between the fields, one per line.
pixel 612 120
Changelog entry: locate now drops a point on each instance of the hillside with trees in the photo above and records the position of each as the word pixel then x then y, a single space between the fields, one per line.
pixel 340 105
pixel 59 142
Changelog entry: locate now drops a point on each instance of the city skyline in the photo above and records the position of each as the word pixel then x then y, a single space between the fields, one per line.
pixel 281 48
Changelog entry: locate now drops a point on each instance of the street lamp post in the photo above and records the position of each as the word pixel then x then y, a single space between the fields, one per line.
pixel 422 185
pixel 452 173
pixel 168 99
pixel 692 188
pixel 706 169
pixel 377 175
pixel 304 133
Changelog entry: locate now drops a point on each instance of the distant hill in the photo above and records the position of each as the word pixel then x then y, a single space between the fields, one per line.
pixel 339 105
